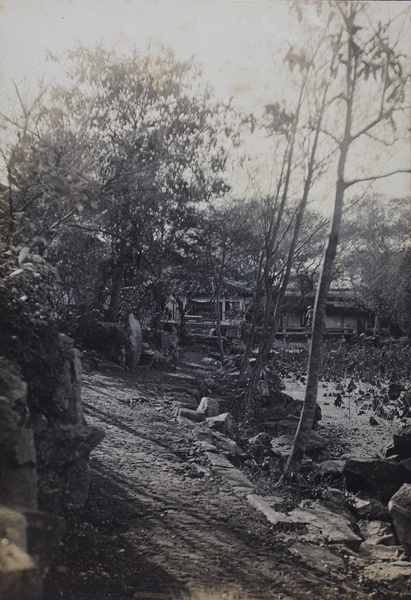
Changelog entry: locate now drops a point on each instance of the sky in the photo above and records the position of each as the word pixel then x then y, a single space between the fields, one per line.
pixel 234 40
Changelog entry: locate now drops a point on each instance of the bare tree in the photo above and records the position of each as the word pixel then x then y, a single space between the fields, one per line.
pixel 367 69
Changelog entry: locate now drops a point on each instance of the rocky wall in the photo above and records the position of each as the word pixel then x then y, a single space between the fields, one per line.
pixel 45 441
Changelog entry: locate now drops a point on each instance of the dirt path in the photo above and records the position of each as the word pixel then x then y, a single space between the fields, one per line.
pixel 163 522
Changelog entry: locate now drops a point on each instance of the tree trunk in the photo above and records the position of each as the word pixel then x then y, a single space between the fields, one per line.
pixel 314 365
pixel 182 329
pixel 251 336
pixel 270 325
pixel 118 279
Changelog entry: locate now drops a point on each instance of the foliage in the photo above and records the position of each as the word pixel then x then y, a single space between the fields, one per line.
pixel 29 336
pixel 107 171
pixel 375 256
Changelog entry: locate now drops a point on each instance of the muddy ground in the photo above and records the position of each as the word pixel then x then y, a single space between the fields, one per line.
pixel 163 522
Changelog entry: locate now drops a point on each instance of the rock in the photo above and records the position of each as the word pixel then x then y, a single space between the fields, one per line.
pixel 206 446
pixel 134 344
pixel 380 553
pixel 400 511
pixel 19 578
pixel 281 446
pixel 331 467
pixel 369 508
pixel 67 396
pixel 406 463
pixel 12 385
pixel 394 391
pixel 273 516
pixel 13 526
pixel 323 558
pixel 330 524
pixel 222 423
pixel 379 478
pixel 210 407
pixel 177 405
pixel 44 532
pixel 61 445
pixel 315 443
pixel 333 496
pixel 77 484
pixel 261 439
pixel 398 572
pixel 18 480
pixel 377 532
pixel 227 445
pixel 402 443
pixel 191 415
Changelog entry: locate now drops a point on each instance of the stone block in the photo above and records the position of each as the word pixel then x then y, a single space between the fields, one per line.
pixel 191 415
pixel 222 423
pixel 210 407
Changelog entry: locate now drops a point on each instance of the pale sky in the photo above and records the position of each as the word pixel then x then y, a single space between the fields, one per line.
pixel 234 40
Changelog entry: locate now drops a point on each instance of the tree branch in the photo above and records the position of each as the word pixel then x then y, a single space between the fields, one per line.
pixel 347 184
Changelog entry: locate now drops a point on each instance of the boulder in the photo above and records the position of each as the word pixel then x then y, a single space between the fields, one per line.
pixel 228 446
pixel 222 423
pixel 406 463
pixel 379 478
pixel 210 407
pixel 400 511
pixel 402 443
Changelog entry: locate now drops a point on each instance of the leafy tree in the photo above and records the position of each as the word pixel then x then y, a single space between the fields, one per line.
pixel 226 242
pixel 375 256
pixel 122 155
